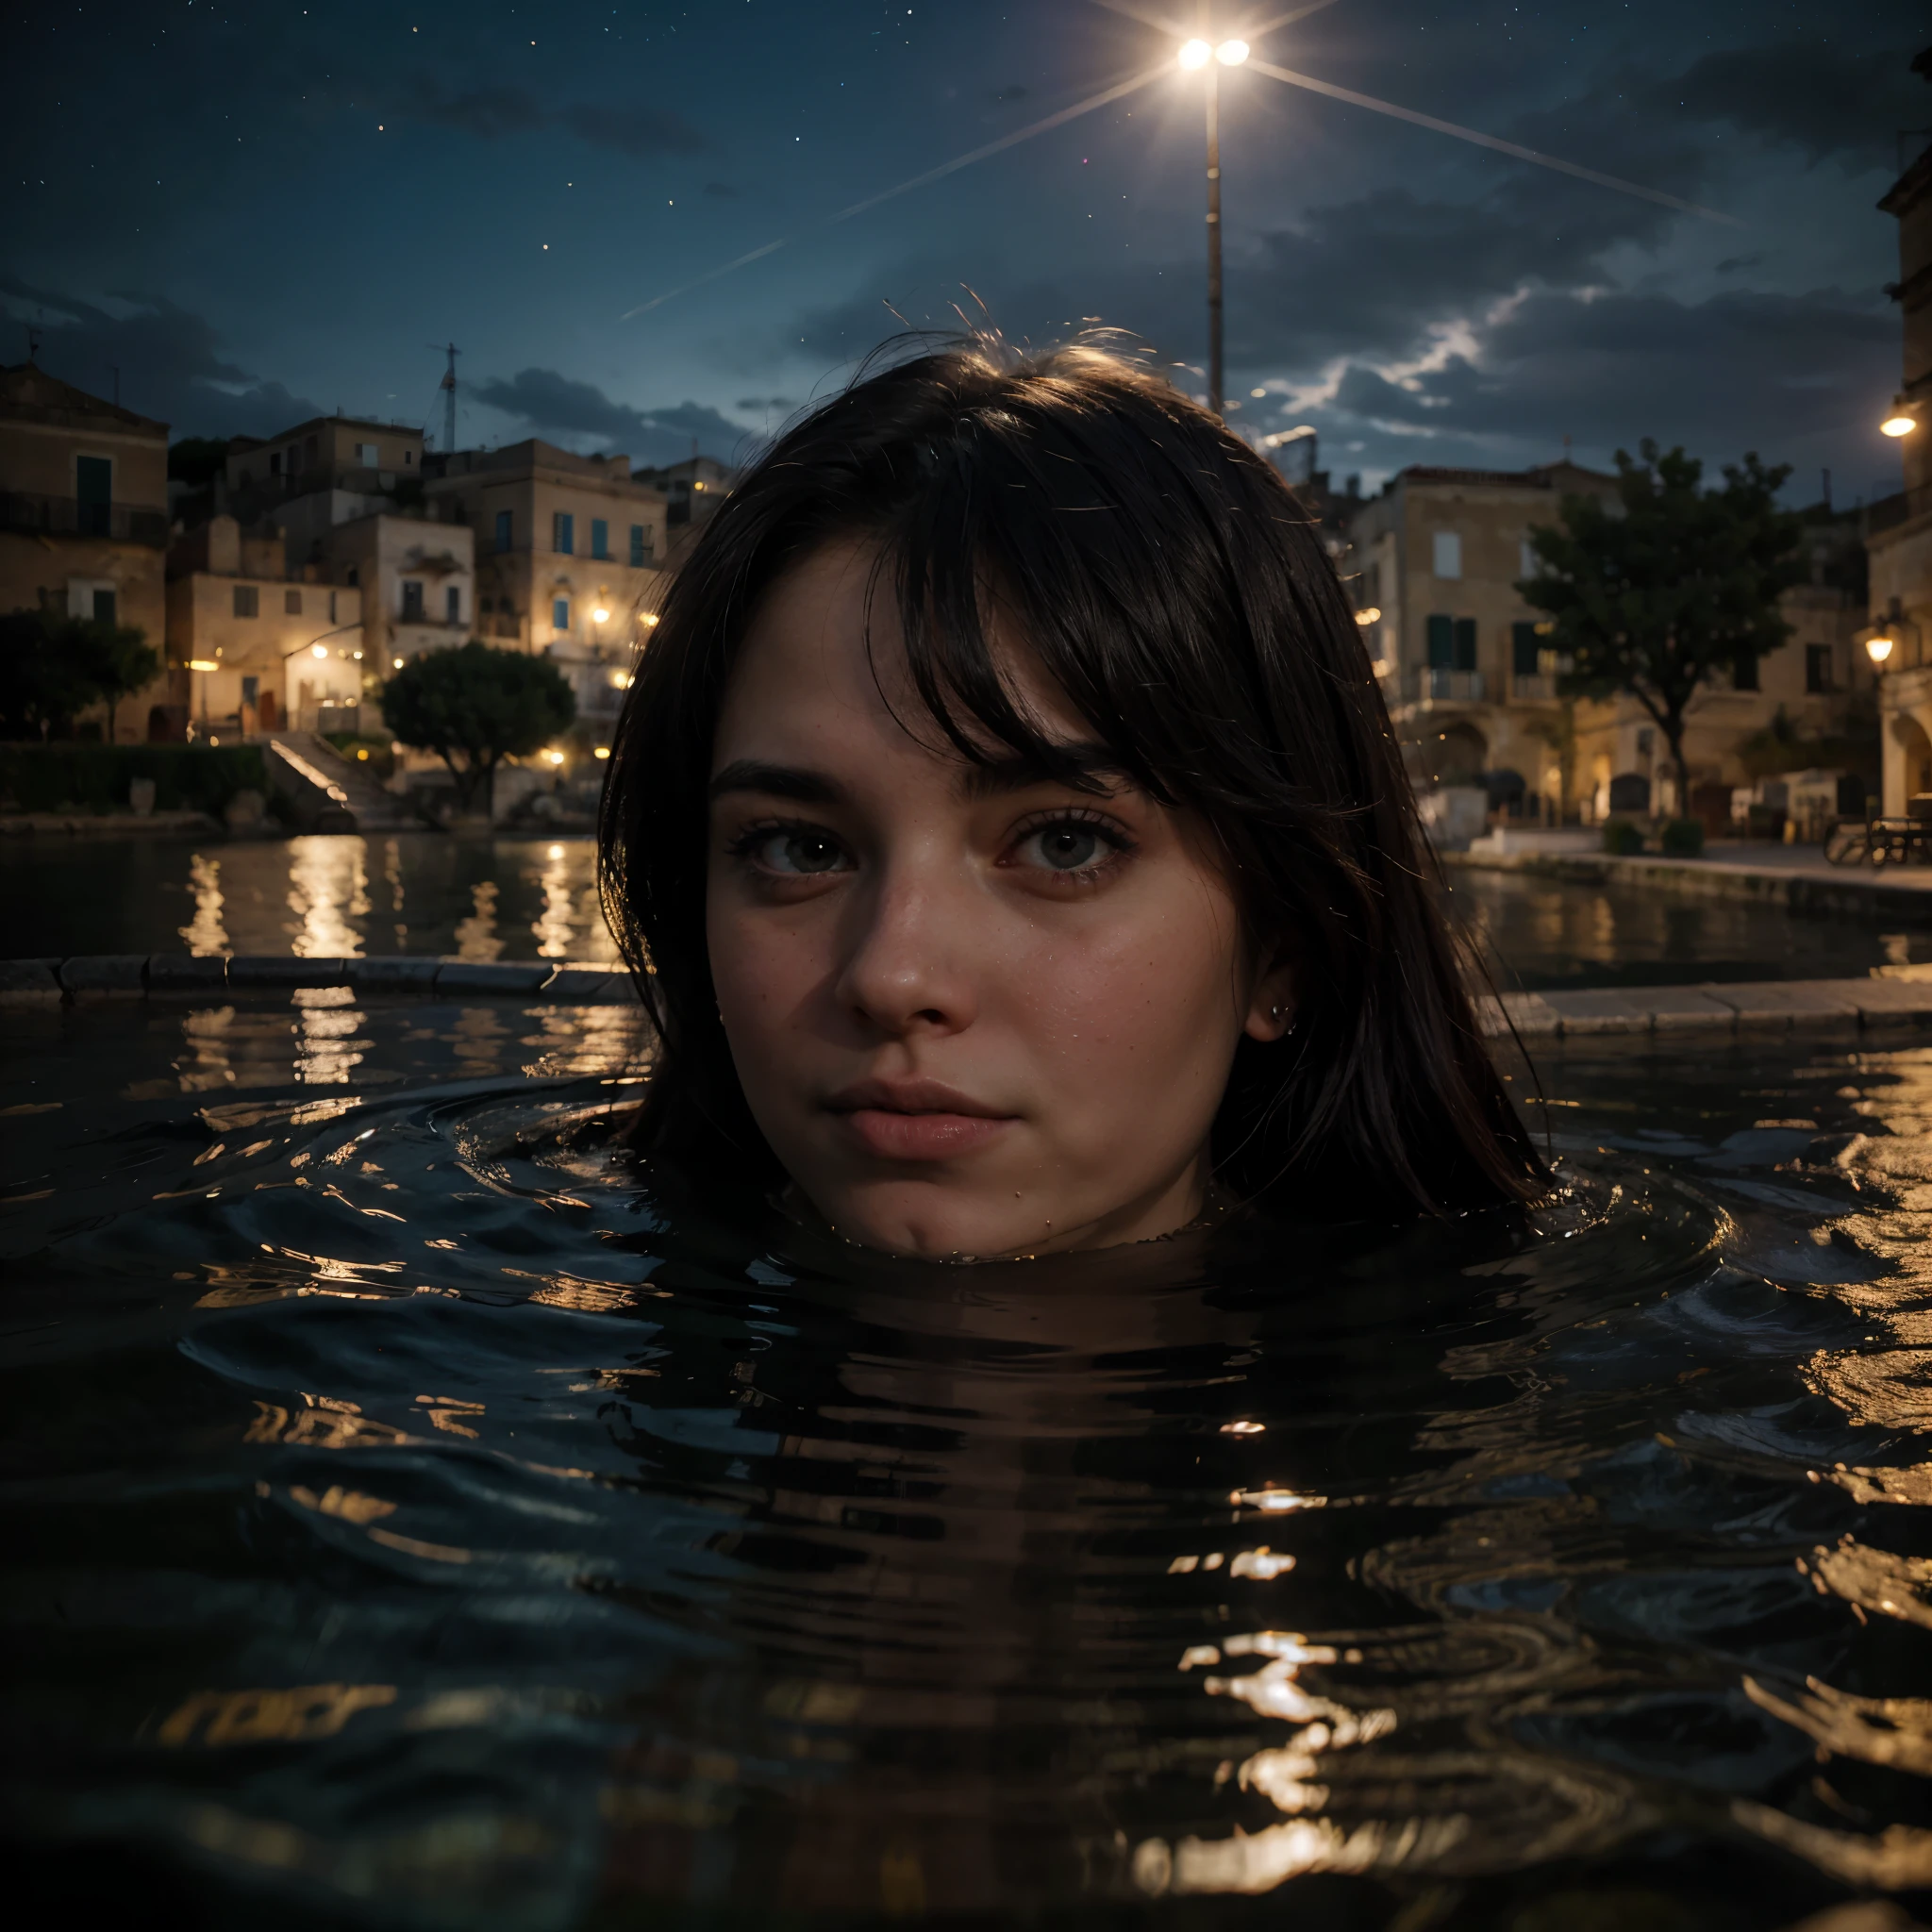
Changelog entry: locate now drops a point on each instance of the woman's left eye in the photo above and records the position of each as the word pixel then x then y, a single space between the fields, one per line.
pixel 1066 845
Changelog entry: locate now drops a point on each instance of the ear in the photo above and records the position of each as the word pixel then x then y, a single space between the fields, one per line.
pixel 1271 1005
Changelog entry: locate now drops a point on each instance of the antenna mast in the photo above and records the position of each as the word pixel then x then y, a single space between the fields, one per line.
pixel 448 387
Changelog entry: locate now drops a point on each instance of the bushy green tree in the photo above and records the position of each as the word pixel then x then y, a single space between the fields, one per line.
pixel 1669 584
pixel 473 705
pixel 52 667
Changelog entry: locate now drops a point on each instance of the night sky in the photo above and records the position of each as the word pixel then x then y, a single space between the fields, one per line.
pixel 263 212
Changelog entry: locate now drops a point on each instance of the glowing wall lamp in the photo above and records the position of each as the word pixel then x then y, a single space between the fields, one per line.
pixel 1878 649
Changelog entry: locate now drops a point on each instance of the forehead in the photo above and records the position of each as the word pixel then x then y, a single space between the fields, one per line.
pixel 823 671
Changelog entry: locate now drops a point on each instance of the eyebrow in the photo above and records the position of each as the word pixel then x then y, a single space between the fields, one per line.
pixel 1085 767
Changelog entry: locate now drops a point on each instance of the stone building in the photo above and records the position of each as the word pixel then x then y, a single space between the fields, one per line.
pixel 1433 563
pixel 84 524
pixel 570 559
pixel 264 650
pixel 1899 542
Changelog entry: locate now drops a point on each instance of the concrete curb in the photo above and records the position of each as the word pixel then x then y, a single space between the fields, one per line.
pixel 136 975
pixel 1843 893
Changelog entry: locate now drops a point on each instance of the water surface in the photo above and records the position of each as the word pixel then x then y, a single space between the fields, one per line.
pixel 420 1515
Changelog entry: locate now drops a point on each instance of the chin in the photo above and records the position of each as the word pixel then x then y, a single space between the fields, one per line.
pixel 927 1224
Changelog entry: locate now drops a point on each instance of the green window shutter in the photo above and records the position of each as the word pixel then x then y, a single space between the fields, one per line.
pixel 1524 649
pixel 1465 644
pixel 1442 643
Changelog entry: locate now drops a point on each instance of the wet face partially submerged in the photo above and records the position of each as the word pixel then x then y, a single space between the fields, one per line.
pixel 974 1010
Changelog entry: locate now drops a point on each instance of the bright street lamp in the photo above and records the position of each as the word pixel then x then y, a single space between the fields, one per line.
pixel 1195 54
pixel 1231 53
pixel 1878 649
pixel 1898 424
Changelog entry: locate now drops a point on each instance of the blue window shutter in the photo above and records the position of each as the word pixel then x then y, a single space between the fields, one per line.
pixel 1442 643
pixel 560 613
pixel 503 528
pixel 637 546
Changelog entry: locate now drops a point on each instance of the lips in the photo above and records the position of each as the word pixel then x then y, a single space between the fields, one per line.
pixel 915 1120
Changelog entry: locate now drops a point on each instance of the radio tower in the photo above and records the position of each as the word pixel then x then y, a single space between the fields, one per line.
pixel 448 387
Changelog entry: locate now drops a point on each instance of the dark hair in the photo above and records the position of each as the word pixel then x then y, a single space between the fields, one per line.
pixel 1172 586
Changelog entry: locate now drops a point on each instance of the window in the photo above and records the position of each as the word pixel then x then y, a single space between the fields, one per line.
pixel 563 533
pixel 640 546
pixel 247 601
pixel 560 614
pixel 94 494
pixel 1818 668
pixel 453 603
pixel 105 605
pixel 1528 563
pixel 1524 649
pixel 291 603
pixel 504 529
pixel 412 601
pixel 1744 674
pixel 409 459
pixel 1452 643
pixel 275 462
pixel 600 540
pixel 368 455
pixel 1447 547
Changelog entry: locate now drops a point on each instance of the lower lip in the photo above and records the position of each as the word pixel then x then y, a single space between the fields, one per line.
pixel 921 1136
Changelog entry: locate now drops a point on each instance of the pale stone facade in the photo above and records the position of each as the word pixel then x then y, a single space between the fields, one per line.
pixel 84 524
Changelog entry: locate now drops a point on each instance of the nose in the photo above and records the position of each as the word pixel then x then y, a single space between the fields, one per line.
pixel 907 961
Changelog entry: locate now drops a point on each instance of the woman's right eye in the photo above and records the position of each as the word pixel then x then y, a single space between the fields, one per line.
pixel 798 854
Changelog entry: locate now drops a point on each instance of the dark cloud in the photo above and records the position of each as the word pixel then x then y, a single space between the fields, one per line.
pixel 493 113
pixel 172 362
pixel 558 405
pixel 753 405
pixel 1807 93
pixel 633 130
pixel 487 112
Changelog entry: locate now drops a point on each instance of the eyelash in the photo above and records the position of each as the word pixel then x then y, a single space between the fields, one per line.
pixel 1110 831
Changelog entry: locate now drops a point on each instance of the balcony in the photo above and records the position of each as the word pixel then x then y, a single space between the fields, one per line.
pixel 1429 685
pixel 65 516
pixel 1527 686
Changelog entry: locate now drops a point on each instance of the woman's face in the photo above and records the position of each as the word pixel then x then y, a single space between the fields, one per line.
pixel 975 1011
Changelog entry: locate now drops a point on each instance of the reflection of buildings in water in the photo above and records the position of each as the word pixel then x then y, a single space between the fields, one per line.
pixel 328 885
pixel 204 1065
pixel 476 936
pixel 553 927
pixel 326 1041
pixel 479 1037
pixel 206 933
pixel 586 1039
pixel 392 878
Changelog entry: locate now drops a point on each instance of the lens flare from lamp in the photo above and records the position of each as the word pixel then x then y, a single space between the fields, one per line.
pixel 601 615
pixel 395 663
pixel 1878 649
pixel 1898 426
pixel 1195 54
pixel 317 650
pixel 1372 615
pixel 203 664
pixel 556 757
pixel 603 751
pixel 1231 53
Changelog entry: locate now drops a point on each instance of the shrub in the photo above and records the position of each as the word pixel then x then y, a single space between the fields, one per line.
pixel 71 776
pixel 474 705
pixel 1621 837
pixel 1682 838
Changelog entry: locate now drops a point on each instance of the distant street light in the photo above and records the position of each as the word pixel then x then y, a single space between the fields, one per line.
pixel 1898 424
pixel 1201 57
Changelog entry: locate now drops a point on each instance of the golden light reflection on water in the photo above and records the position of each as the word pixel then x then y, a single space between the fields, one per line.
pixel 206 933
pixel 328 1026
pixel 476 937
pixel 554 926
pixel 328 885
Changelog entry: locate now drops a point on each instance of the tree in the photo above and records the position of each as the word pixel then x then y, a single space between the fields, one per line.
pixel 1657 592
pixel 474 705
pixel 120 660
pixel 52 667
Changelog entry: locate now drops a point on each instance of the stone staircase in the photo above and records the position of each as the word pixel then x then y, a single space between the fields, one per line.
pixel 329 792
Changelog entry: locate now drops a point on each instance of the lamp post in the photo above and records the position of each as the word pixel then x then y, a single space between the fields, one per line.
pixel 1203 56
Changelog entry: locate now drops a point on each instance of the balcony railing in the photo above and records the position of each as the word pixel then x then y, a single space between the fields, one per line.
pixel 1428 685
pixel 65 516
pixel 1532 684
